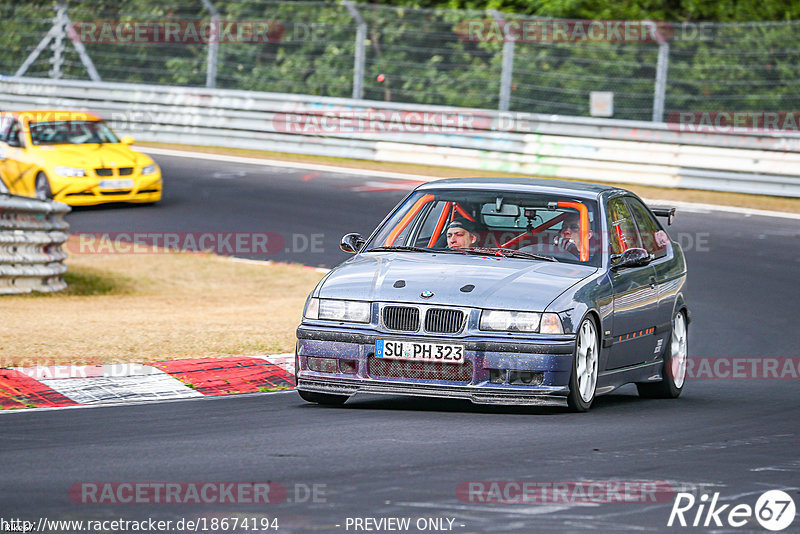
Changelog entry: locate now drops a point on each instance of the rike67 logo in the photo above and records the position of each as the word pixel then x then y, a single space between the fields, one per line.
pixel 774 510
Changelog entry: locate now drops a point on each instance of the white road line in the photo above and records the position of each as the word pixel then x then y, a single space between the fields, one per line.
pixel 286 164
pixel 688 206
pixel 694 207
pixel 512 509
pixel 266 263
pixel 203 398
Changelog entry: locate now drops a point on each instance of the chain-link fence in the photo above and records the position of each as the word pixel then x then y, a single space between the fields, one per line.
pixel 459 58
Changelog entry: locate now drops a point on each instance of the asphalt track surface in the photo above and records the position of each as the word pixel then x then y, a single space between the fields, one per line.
pixel 383 457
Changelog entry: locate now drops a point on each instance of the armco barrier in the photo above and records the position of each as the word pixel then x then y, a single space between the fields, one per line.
pixel 544 145
pixel 31 234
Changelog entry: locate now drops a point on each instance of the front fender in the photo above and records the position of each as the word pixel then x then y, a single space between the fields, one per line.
pixel 680 303
pixel 590 294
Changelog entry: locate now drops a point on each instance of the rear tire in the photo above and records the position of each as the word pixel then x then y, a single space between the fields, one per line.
pixel 583 380
pixel 323 398
pixel 673 374
pixel 42 189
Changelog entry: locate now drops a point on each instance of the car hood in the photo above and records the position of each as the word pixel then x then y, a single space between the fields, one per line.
pixel 92 156
pixel 501 283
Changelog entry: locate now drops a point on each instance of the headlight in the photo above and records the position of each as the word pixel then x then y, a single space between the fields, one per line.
pixel 351 311
pixel 70 172
pixel 150 169
pixel 551 324
pixel 509 321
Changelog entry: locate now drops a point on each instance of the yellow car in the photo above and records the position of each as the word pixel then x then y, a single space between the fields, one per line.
pixel 72 157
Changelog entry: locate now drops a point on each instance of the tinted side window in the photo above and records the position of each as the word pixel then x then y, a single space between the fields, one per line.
pixel 5 126
pixel 623 234
pixel 14 138
pixel 654 239
pixel 429 225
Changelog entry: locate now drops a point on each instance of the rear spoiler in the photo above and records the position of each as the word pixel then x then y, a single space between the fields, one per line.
pixel 669 213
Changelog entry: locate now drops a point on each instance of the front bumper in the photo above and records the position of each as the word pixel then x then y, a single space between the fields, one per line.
pixel 87 191
pixel 550 358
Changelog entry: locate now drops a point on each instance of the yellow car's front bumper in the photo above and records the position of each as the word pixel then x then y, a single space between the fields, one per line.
pixel 91 191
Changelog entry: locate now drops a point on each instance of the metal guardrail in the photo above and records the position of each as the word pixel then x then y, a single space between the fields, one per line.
pixel 544 145
pixel 31 234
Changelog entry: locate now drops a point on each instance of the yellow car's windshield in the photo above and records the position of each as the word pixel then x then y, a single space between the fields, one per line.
pixel 71 133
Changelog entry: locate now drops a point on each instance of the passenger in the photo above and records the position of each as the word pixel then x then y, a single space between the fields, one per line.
pixel 462 233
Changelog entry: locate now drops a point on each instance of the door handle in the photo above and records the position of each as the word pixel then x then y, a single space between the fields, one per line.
pixel 652 282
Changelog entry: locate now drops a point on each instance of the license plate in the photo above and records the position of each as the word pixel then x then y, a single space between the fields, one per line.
pixel 116 184
pixel 411 350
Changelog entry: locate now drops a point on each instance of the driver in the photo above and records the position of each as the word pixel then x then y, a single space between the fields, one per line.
pixel 462 233
pixel 568 237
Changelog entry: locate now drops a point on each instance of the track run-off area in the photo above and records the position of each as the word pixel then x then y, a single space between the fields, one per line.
pixel 375 458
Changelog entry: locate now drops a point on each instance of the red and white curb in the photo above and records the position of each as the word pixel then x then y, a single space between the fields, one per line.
pixel 61 385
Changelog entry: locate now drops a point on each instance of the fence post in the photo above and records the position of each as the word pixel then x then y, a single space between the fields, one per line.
pixel 507 66
pixel 360 52
pixel 662 66
pixel 60 22
pixel 62 26
pixel 213 45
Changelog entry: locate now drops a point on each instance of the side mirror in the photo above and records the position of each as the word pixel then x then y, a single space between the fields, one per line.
pixel 127 140
pixel 352 243
pixel 633 257
pixel 668 213
pixel 13 140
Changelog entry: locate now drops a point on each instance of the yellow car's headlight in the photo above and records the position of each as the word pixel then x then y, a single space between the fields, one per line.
pixel 70 172
pixel 150 169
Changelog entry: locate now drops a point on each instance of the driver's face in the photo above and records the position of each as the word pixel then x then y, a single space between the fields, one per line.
pixel 570 228
pixel 460 238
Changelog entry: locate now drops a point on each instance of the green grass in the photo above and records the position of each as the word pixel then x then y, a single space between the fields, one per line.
pixel 84 281
pixel 265 389
pixel 89 282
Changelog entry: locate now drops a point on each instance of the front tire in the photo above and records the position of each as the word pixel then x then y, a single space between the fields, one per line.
pixel 323 398
pixel 583 380
pixel 41 186
pixel 673 375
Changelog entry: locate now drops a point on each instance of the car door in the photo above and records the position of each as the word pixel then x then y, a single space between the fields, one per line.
pixel 635 295
pixel 11 153
pixel 5 163
pixel 669 275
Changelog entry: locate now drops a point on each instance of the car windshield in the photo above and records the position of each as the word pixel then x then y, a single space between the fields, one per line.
pixel 71 133
pixel 518 225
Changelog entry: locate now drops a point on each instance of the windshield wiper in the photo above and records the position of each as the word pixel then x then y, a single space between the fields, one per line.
pixel 405 248
pixel 507 253
pixel 401 248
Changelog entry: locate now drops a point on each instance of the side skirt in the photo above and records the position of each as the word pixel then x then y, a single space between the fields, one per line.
pixel 608 381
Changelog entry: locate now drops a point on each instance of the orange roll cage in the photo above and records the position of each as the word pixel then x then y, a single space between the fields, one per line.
pixel 407 218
